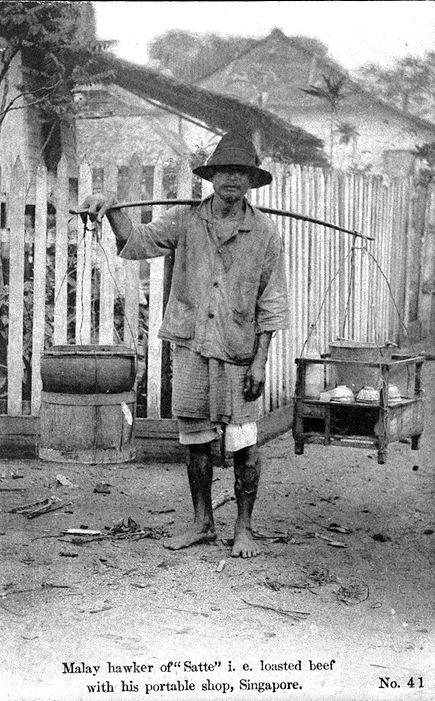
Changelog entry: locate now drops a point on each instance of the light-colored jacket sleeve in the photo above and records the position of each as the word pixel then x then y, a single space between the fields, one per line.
pixel 272 309
pixel 158 238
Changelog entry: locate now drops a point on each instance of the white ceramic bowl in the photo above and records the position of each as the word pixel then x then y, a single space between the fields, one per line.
pixel 368 394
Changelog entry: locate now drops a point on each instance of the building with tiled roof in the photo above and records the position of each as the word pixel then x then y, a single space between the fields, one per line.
pixel 368 133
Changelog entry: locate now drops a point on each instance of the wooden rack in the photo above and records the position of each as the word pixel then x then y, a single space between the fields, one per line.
pixel 358 424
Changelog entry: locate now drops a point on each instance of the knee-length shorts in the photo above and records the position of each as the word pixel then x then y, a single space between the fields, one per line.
pixel 207 399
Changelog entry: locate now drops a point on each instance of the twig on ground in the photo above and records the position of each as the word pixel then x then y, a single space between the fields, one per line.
pixel 80 531
pixel 49 510
pixel 275 585
pixel 296 615
pixel 39 508
pixel 26 507
pixel 12 489
pixel 17 591
pixel 161 511
pixel 279 537
pixel 336 528
pixel 44 585
pixel 180 610
pixel 221 499
pixel 311 519
pixel 103 608
pixel 333 543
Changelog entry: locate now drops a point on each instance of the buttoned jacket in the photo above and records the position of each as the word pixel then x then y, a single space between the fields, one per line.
pixel 223 292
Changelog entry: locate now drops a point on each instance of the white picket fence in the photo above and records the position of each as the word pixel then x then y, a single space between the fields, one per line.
pixel 342 284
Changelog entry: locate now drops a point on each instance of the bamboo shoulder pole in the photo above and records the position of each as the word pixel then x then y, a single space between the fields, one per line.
pixel 266 210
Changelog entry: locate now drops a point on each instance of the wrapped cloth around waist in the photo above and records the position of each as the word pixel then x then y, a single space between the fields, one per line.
pixel 207 388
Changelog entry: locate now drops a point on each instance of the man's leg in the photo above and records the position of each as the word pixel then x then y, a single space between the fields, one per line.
pixel 247 477
pixel 200 473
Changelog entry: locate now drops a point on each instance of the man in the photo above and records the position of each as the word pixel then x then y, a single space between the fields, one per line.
pixel 228 296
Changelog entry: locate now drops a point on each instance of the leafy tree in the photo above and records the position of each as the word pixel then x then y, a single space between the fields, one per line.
pixel 175 47
pixel 426 156
pixel 426 153
pixel 408 85
pixel 56 51
pixel 311 44
pixel 189 56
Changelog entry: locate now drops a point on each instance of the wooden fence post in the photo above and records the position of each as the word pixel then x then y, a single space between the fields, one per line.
pixel 377 234
pixel 320 242
pixel 426 290
pixel 366 260
pixel 304 260
pixel 16 284
pixel 292 267
pixel 402 225
pixel 131 312
pixel 84 264
pixel 155 314
pixel 39 276
pixel 61 254
pixel 276 349
pixel 286 357
pixel 358 295
pixel 107 258
pixel 387 303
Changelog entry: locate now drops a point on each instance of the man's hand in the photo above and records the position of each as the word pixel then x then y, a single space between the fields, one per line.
pixel 254 380
pixel 256 374
pixel 97 206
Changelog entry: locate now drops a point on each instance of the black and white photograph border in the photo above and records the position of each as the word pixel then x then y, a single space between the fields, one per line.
pixel 232 201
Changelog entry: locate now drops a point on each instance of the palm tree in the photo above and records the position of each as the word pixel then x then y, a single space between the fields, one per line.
pixel 348 135
pixel 332 92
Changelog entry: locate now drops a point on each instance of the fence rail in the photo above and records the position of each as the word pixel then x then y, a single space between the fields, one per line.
pixel 64 286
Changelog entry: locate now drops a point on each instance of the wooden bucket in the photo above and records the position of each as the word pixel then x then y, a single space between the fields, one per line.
pixel 87 428
pixel 89 369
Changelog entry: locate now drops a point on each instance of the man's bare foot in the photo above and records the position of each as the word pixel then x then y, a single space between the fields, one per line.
pixel 244 545
pixel 191 537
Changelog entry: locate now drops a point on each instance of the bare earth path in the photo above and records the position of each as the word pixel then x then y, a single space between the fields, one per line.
pixel 367 606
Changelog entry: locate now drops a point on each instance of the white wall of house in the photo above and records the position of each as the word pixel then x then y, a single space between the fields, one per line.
pixel 382 134
pixel 14 139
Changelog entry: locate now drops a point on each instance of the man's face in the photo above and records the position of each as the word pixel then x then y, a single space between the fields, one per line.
pixel 231 184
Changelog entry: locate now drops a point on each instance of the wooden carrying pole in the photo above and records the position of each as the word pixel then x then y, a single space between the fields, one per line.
pixel 266 210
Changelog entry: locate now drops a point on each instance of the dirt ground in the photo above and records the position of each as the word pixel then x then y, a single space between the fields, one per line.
pixel 66 607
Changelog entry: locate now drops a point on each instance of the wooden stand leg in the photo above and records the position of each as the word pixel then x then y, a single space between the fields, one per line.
pixel 382 456
pixel 415 442
pixel 299 447
pixel 298 425
pixel 383 417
